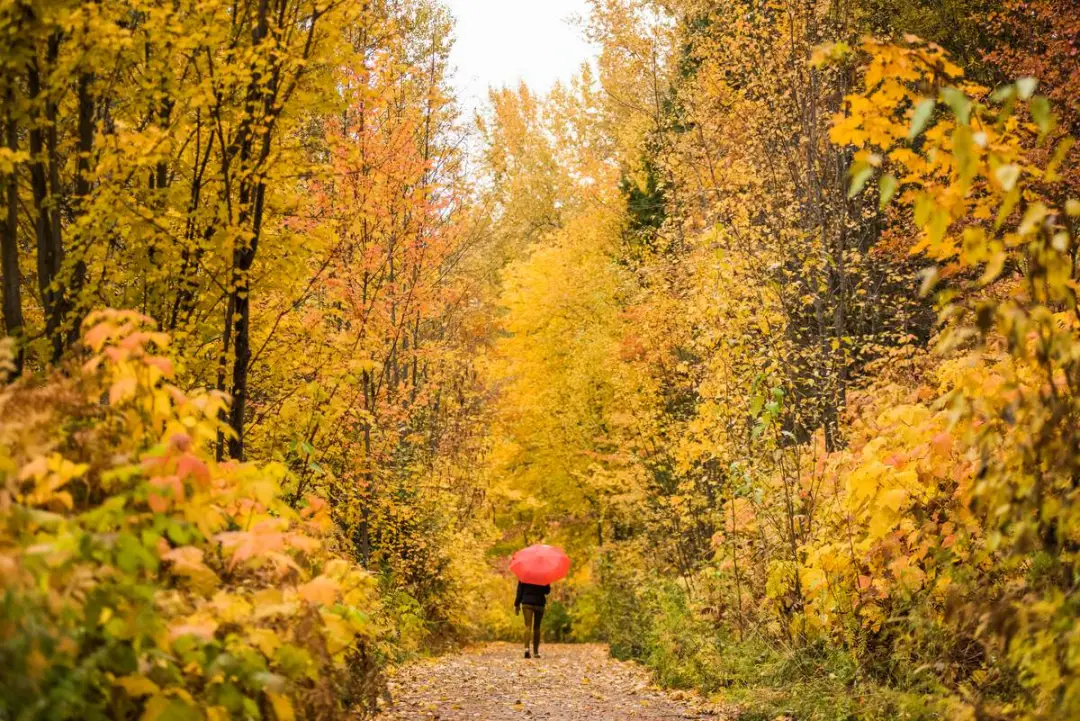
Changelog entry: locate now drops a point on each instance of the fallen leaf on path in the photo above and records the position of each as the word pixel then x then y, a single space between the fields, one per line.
pixel 493 682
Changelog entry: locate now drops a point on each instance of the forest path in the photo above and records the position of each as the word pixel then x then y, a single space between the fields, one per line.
pixel 492 682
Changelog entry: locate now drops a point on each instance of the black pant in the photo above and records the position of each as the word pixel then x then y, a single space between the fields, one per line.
pixel 533 615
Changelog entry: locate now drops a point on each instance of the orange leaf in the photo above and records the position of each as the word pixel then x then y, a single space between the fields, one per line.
pixel 96 336
pixel 122 390
pixel 163 364
pixel 319 590
pixel 943 444
pixel 189 465
pixel 200 628
pixel 164 491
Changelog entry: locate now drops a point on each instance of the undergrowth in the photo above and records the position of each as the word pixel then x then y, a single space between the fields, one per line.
pixel 658 624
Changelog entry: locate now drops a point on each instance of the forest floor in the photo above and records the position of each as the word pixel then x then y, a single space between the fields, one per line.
pixel 493 682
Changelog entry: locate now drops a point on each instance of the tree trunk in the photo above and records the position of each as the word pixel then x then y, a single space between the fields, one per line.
pixel 238 315
pixel 82 197
pixel 254 141
pixel 44 180
pixel 13 316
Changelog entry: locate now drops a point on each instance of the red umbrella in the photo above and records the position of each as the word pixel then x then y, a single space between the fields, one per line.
pixel 540 564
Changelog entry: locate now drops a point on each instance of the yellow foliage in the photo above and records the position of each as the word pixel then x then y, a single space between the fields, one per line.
pixel 148 565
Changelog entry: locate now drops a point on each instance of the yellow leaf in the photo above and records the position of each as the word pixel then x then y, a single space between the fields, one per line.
pixel 137 686
pixel 187 562
pixel 179 707
pixel 339 633
pixel 198 625
pixel 217 713
pixel 283 709
pixel 894 499
pixel 265 640
pixel 231 607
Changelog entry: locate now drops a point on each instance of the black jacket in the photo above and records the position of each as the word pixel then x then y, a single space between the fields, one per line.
pixel 531 595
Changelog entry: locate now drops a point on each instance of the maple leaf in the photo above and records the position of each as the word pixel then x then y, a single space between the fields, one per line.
pixel 321 590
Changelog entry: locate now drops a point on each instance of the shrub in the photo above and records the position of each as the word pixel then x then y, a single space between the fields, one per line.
pixel 143 579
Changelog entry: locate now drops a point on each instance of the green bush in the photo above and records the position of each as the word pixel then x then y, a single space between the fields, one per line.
pixel 557 624
pixel 657 622
pixel 651 620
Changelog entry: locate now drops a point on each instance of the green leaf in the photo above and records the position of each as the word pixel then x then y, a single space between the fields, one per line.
pixel 860 173
pixel 1040 113
pixel 164 708
pixel 1005 92
pixel 131 555
pixel 959 103
pixel 887 185
pixel 921 117
pixel 1058 158
pixel 179 533
pixel 294 662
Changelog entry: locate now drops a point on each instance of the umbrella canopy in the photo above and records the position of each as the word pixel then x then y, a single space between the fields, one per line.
pixel 540 564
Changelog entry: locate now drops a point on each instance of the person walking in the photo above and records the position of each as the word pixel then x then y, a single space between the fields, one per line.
pixel 530 601
pixel 536 567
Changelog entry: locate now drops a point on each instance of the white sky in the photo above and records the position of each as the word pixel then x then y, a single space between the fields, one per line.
pixel 500 42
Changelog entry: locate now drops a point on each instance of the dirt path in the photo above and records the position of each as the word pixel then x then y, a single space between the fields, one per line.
pixel 494 683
